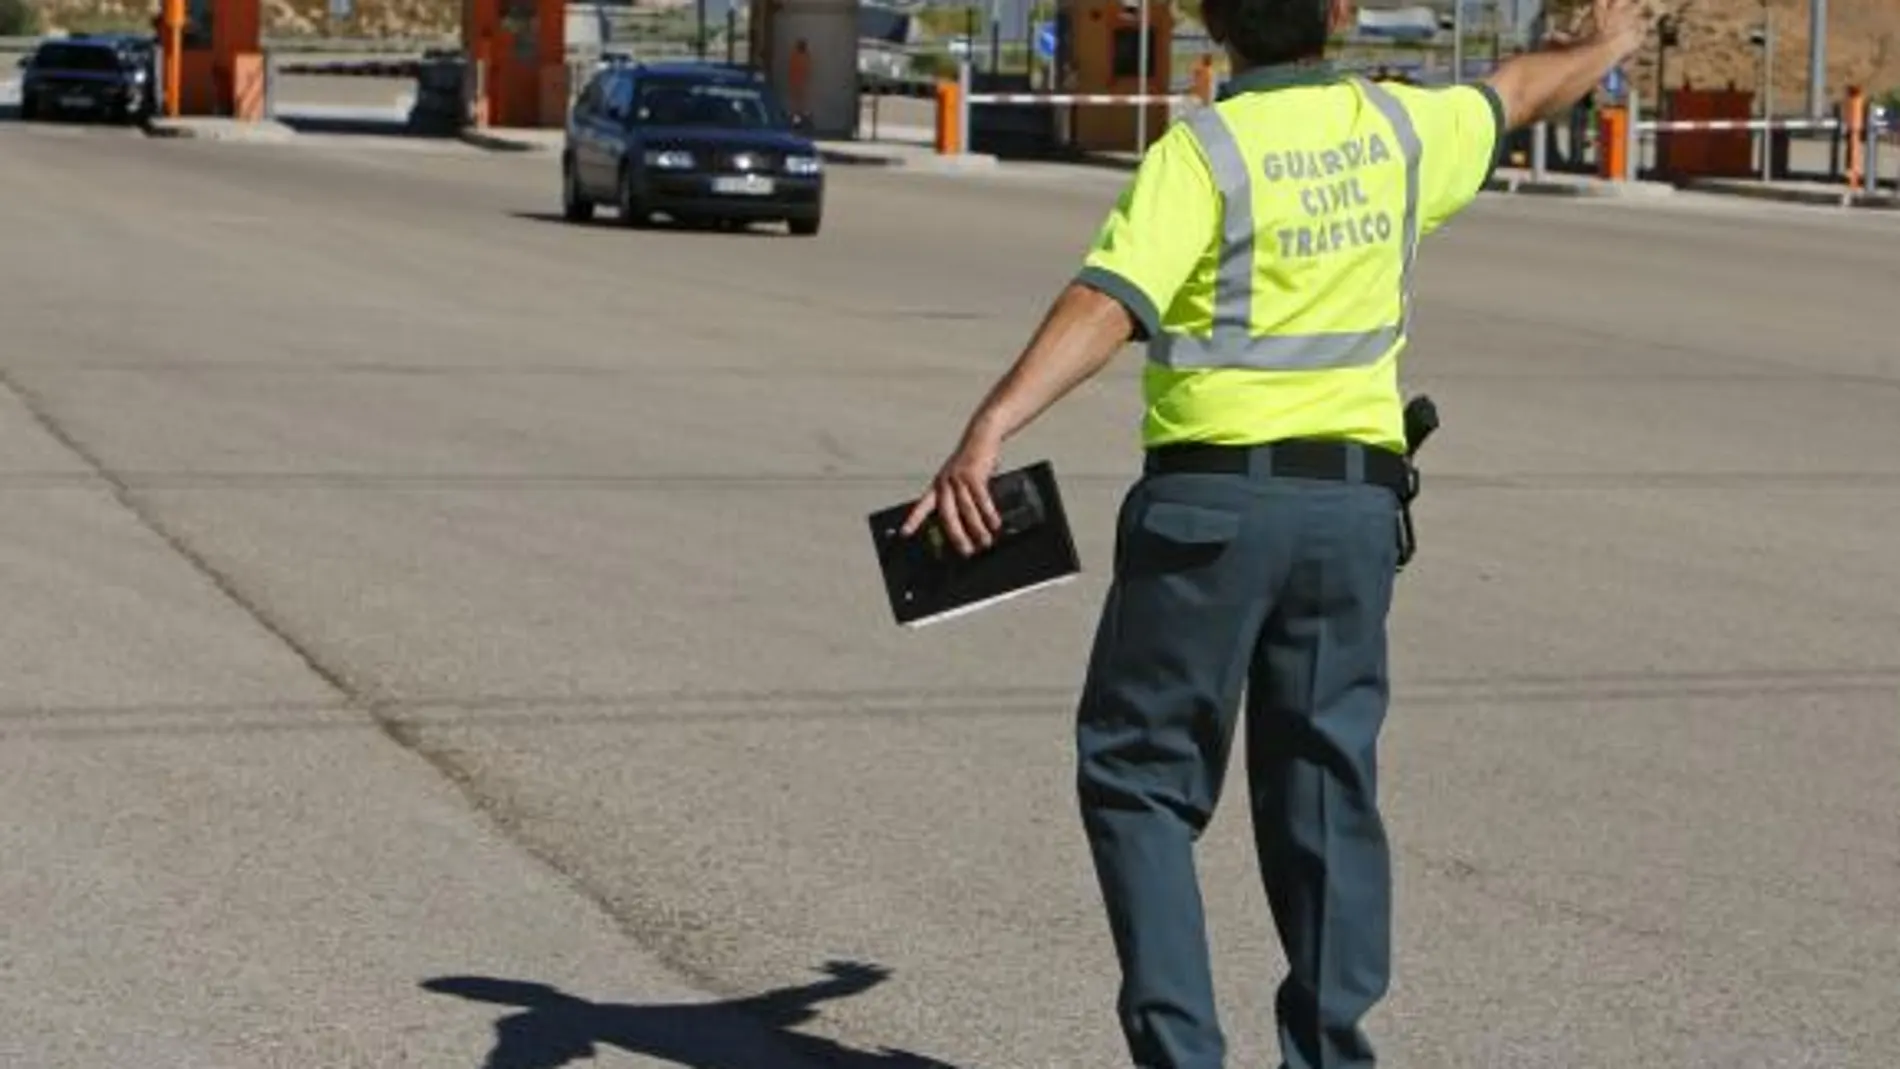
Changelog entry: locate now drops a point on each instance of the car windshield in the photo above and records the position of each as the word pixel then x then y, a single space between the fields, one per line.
pixel 75 58
pixel 679 102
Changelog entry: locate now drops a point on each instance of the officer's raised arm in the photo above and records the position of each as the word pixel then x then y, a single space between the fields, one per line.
pixel 1542 85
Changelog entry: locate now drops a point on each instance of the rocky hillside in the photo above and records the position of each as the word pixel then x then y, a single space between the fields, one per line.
pixel 1863 47
pixel 282 18
pixel 1863 36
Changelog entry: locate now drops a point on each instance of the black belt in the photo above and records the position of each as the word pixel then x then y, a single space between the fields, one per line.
pixel 1299 458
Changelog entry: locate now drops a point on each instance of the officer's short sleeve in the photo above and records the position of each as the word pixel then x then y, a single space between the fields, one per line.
pixel 1461 129
pixel 1162 225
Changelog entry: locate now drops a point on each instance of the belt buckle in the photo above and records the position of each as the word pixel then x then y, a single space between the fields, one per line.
pixel 1311 458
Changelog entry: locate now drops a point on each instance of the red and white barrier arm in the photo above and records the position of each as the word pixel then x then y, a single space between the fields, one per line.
pixel 1081 98
pixel 1687 126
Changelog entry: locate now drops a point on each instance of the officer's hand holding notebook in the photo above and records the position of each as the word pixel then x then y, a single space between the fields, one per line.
pixel 960 497
pixel 1026 545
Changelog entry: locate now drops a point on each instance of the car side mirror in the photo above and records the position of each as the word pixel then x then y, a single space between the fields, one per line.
pixel 801 123
pixel 25 62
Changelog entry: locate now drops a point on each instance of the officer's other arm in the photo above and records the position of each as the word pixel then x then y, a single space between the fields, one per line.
pixel 1541 85
pixel 1082 330
pixel 1157 232
pixel 1160 227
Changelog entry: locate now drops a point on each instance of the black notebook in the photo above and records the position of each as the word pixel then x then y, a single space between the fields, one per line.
pixel 927 580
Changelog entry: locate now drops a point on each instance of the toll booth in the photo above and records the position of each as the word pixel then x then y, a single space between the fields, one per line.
pixel 516 62
pixel 1708 153
pixel 808 51
pixel 221 58
pixel 516 54
pixel 1098 50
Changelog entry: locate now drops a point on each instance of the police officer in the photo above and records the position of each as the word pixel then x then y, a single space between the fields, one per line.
pixel 1265 252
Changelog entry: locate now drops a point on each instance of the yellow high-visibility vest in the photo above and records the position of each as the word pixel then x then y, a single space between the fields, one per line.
pixel 1266 247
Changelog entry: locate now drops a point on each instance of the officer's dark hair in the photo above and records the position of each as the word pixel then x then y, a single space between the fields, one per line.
pixel 1262 33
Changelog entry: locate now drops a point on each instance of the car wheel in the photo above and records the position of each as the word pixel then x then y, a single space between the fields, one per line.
pixel 29 110
pixel 804 228
pixel 632 212
pixel 574 207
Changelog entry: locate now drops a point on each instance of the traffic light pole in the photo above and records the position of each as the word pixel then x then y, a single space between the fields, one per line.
pixel 1668 35
pixel 1817 58
pixel 1457 41
pixel 1767 92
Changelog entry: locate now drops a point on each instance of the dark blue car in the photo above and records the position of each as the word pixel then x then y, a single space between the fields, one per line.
pixel 696 142
pixel 109 77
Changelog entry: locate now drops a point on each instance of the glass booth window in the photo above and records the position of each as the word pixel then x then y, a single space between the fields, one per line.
pixel 1128 52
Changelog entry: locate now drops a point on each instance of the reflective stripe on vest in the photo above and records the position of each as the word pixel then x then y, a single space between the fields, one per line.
pixel 1231 343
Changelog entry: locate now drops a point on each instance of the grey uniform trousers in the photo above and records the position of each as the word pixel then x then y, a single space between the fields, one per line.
pixel 1280 586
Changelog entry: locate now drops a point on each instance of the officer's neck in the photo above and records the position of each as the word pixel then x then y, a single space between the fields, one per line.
pixel 1318 61
pixel 1251 76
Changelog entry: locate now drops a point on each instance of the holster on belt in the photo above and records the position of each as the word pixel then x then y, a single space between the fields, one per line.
pixel 1421 419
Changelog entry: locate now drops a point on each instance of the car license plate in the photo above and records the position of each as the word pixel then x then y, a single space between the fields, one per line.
pixel 749 185
pixel 75 100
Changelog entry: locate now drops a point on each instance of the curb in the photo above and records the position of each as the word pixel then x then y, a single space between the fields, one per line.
pixel 849 158
pixel 1821 197
pixel 1532 187
pixel 921 160
pixel 843 157
pixel 1520 185
pixel 495 143
pixel 263 132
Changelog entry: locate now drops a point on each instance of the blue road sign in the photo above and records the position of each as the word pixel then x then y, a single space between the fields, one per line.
pixel 1046 40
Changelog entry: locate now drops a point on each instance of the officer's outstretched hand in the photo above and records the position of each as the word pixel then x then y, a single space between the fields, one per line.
pixel 1620 24
pixel 960 495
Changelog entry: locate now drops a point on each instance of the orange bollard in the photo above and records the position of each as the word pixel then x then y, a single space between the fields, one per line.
pixel 1204 79
pixel 799 78
pixel 480 76
pixel 1613 143
pixel 949 138
pixel 1854 113
pixel 172 18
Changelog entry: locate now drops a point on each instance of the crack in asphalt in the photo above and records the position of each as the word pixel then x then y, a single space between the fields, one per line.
pixel 353 698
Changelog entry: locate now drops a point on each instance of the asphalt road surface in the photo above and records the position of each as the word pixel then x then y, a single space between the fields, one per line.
pixel 432 626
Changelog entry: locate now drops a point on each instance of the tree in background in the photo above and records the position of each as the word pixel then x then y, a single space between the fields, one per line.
pixel 18 18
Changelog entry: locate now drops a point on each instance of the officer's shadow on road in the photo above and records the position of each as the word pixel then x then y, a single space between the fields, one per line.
pixel 556 1029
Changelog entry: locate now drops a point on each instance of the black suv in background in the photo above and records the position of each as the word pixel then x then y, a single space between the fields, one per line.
pixel 693 141
pixel 108 77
